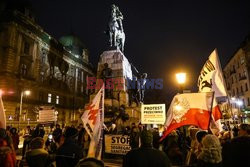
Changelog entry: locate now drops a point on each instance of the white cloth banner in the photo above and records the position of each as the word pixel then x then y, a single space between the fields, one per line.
pixel 93 119
pixel 211 76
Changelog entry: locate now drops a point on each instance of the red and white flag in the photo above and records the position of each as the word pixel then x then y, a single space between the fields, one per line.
pixel 189 109
pixel 2 113
pixel 93 120
pixel 211 79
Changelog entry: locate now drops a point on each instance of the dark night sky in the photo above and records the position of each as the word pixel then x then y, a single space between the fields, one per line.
pixel 162 36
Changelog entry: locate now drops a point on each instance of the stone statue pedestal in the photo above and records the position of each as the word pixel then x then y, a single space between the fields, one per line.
pixel 121 73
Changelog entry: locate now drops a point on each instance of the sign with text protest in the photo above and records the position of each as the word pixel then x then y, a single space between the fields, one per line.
pixel 117 144
pixel 153 114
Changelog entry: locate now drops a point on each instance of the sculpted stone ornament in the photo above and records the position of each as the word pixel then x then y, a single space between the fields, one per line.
pixel 116 33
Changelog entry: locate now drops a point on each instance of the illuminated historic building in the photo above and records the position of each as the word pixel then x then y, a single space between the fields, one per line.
pixel 237 73
pixel 30 59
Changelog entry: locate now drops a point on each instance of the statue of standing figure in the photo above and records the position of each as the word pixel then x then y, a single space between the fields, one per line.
pixel 116 33
pixel 106 75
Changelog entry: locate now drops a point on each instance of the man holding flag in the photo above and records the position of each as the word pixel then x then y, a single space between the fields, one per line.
pixel 93 120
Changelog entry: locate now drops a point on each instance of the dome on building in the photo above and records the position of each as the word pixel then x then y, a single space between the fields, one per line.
pixel 72 44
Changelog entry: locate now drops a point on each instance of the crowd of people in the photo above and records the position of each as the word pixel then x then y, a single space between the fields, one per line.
pixel 68 147
pixel 194 148
pixel 61 147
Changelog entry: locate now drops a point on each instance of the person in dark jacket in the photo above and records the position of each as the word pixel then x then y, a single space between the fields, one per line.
pixel 38 156
pixel 69 153
pixel 146 155
pixel 236 152
pixel 15 137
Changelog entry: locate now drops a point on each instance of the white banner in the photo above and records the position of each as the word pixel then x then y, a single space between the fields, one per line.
pixel 93 120
pixel 117 144
pixel 47 114
pixel 153 114
pixel 211 76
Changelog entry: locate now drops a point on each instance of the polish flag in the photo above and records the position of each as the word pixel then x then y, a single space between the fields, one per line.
pixel 93 120
pixel 189 109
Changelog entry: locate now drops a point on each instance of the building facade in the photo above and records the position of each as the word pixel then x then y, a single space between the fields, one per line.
pixel 237 73
pixel 54 71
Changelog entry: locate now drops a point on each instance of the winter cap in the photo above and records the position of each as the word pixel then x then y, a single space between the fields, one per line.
pixel 37 143
pixel 70 132
pixel 146 137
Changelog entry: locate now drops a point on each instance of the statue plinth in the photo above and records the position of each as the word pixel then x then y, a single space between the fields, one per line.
pixel 120 66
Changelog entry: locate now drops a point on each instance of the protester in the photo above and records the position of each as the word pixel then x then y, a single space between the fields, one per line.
pixel 81 131
pixel 210 155
pixel 146 155
pixel 69 153
pixel 134 137
pixel 172 149
pixel 156 138
pixel 86 142
pixel 7 154
pixel 236 152
pixel 14 137
pixel 90 162
pixel 199 136
pixel 191 157
pixel 244 130
pixel 37 156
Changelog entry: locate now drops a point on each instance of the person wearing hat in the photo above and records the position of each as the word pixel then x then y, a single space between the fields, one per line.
pixel 146 155
pixel 37 156
pixel 210 155
pixel 69 153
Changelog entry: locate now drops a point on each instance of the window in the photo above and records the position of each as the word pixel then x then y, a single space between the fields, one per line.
pixel 246 87
pixel 57 99
pixel 237 91
pixel 241 89
pixel 248 101
pixel 23 69
pixel 42 76
pixel 242 60
pixel 26 48
pixel 40 96
pixel 49 97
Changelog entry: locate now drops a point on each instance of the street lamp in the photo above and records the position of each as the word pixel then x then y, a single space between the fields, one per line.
pixel 181 79
pixel 23 93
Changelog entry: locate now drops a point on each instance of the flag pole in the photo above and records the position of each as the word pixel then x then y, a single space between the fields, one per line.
pixel 211 111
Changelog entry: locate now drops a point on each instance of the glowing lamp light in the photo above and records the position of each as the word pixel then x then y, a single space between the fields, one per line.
pixel 178 108
pixel 1 92
pixel 239 102
pixel 27 92
pixel 181 78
